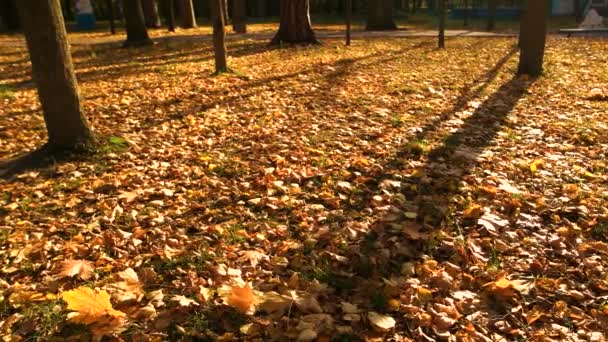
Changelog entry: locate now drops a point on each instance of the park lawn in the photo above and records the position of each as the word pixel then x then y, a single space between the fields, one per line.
pixel 388 190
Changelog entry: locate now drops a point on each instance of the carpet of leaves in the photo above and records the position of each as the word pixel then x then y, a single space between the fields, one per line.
pixel 386 191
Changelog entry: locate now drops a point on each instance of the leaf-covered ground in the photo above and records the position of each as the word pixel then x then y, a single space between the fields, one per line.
pixel 386 191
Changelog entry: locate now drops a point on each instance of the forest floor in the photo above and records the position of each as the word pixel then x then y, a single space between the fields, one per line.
pixel 385 191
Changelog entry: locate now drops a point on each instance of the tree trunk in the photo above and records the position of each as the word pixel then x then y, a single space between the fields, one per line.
pixel 53 73
pixel 261 7
pixel 349 15
pixel 491 24
pixel 8 15
pixel 466 13
pixel 295 26
pixel 110 4
pixel 151 13
pixel 168 8
pixel 185 13
pixel 441 42
pixel 219 36
pixel 137 34
pixel 578 11
pixel 533 34
pixel 380 15
pixel 239 16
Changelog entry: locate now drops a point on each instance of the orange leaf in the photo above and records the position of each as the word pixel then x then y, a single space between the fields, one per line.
pixel 241 298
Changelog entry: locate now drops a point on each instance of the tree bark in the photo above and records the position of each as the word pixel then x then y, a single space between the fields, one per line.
pixel 168 8
pixel 53 73
pixel 533 35
pixel 137 34
pixel 151 16
pixel 441 37
pixel 380 15
pixel 186 13
pixel 295 26
pixel 491 24
pixel 239 16
pixel 349 15
pixel 110 4
pixel 219 36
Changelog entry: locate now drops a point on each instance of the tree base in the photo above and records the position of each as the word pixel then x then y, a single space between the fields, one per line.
pixel 45 156
pixel 137 43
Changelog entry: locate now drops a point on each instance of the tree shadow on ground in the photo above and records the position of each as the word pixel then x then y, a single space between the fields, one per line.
pixel 381 248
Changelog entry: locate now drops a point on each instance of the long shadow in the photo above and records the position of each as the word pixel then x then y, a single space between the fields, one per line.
pixel 444 168
pixel 245 91
pixel 467 95
pixel 129 65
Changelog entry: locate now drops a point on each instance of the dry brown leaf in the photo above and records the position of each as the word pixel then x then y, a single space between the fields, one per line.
pixel 381 322
pixel 253 257
pixel 81 268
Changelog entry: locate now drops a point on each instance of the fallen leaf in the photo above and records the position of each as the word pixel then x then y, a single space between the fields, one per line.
pixel 81 268
pixel 381 322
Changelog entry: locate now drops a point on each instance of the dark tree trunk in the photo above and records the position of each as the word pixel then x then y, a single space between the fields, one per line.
pixel 466 13
pixel 239 16
pixel 295 26
pixel 578 10
pixel 185 13
pixel 219 36
pixel 110 4
pixel 137 34
pixel 67 8
pixel 441 40
pixel 380 15
pixel 168 7
pixel 261 7
pixel 349 15
pixel 8 15
pixel 533 34
pixel 151 13
pixel 491 24
pixel 53 73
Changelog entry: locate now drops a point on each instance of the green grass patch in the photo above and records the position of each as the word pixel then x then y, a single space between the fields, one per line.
pixel 6 92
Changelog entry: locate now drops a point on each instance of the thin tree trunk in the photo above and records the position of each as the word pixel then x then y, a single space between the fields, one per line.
pixel 137 34
pixel 185 13
pixel 151 13
pixel 239 16
pixel 53 73
pixel 219 36
pixel 441 43
pixel 295 26
pixel 466 13
pixel 491 24
pixel 349 15
pixel 169 14
pixel 110 4
pixel 533 35
pixel 380 15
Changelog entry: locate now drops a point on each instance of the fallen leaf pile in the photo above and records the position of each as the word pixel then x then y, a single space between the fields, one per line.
pixel 385 191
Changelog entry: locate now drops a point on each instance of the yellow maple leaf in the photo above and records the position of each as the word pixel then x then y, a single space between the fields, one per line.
pixel 90 306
